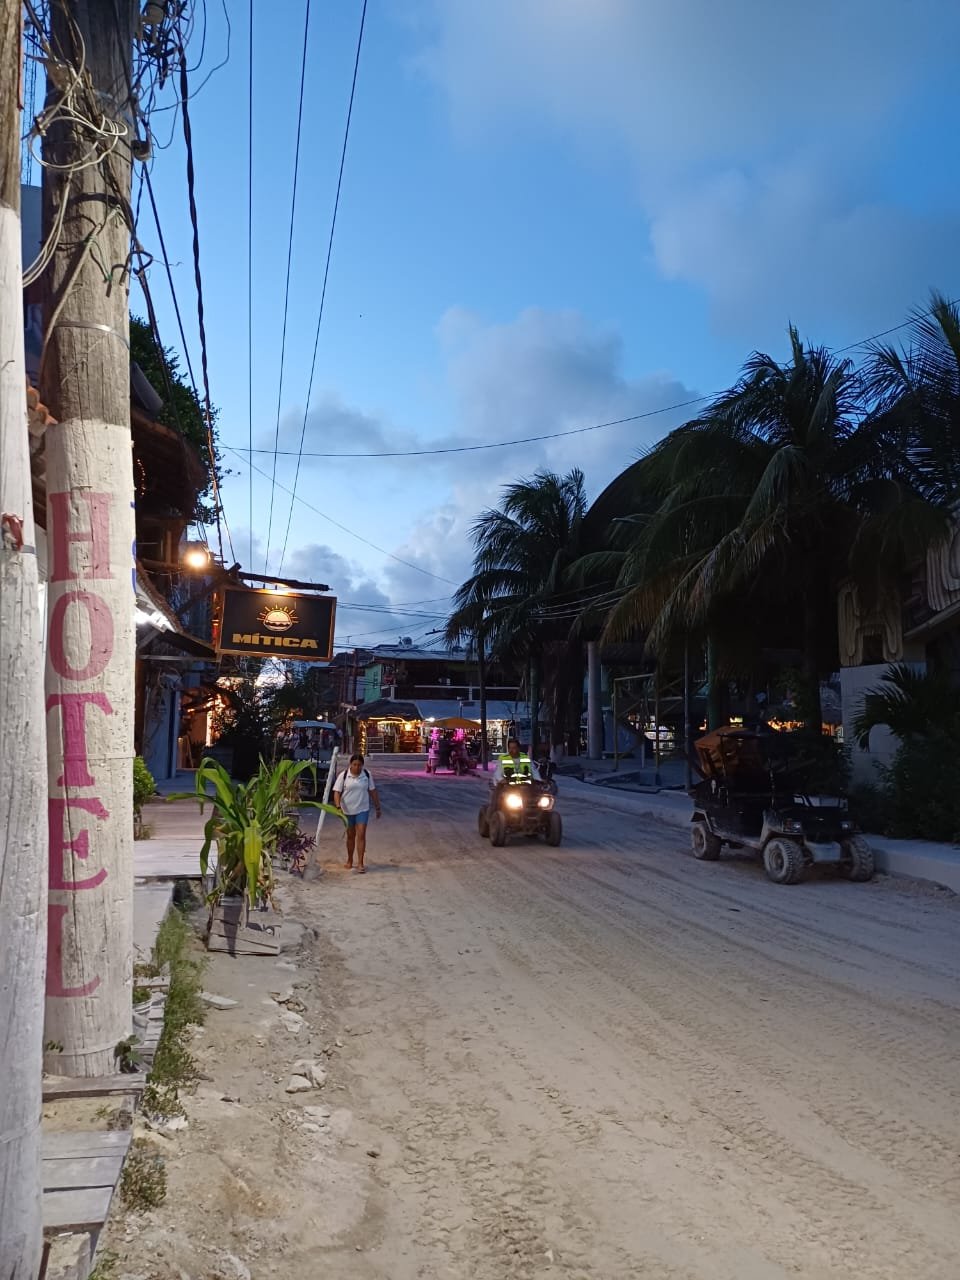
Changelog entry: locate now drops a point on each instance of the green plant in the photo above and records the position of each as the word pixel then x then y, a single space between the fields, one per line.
pixel 173 1064
pixel 144 788
pixel 143 1182
pixel 870 806
pixel 141 995
pixel 248 819
pixel 126 1056
pixel 106 1266
pixel 923 787
pixel 162 1101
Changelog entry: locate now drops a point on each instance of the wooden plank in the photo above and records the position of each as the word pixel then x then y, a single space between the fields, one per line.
pixel 97 1087
pixel 243 941
pixel 87 1171
pixel 76 1210
pixel 88 1142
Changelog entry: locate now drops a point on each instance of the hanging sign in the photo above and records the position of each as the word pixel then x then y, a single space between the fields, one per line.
pixel 271 624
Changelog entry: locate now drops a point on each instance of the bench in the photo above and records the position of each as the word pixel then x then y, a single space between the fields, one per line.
pixel 80 1175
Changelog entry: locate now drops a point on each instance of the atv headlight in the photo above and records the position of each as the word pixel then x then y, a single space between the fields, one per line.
pixel 848 826
pixel 514 800
pixel 791 826
pixel 545 802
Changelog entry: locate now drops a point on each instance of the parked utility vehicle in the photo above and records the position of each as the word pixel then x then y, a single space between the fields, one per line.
pixel 759 791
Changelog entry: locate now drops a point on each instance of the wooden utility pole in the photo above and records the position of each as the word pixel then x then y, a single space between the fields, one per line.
pixel 23 848
pixel 85 380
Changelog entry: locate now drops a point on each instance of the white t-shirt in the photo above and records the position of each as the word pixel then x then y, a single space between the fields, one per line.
pixel 355 792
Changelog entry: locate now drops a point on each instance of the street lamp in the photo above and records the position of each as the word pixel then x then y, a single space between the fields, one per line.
pixel 196 556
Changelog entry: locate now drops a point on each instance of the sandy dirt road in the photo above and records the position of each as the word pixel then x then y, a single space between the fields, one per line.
pixel 608 1060
pixel 597 1062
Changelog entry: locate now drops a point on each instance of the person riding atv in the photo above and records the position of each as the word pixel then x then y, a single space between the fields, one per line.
pixel 521 803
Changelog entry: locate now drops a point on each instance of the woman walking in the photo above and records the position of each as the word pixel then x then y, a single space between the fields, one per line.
pixel 354 791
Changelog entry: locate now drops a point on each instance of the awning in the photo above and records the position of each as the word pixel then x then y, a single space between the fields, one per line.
pixel 158 624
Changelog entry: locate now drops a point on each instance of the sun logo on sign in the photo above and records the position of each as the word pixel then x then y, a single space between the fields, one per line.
pixel 278 617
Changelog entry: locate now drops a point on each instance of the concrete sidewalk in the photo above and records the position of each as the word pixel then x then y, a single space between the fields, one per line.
pixel 917 859
pixel 171 852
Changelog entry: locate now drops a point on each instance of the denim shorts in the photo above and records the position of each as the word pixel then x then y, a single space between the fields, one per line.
pixel 358 819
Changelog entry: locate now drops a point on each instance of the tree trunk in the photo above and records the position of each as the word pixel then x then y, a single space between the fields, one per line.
pixel 533 689
pixel 90 527
pixel 594 702
pixel 714 689
pixel 813 710
pixel 23 847
pixel 482 678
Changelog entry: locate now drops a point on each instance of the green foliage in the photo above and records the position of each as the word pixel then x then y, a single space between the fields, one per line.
pixel 106 1266
pixel 144 788
pixel 870 806
pixel 911 703
pixel 141 995
pixel 174 1067
pixel 921 788
pixel 143 1182
pixel 181 410
pixel 126 1056
pixel 247 821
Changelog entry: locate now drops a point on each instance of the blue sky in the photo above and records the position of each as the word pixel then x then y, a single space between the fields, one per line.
pixel 554 212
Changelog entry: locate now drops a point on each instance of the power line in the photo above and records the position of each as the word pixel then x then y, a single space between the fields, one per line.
pixel 286 290
pixel 326 274
pixel 194 222
pixel 250 263
pixel 576 431
pixel 499 444
pixel 295 497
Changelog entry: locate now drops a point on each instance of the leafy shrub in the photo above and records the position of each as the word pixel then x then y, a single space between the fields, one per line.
pixel 923 786
pixel 870 806
pixel 144 788
pixel 143 1182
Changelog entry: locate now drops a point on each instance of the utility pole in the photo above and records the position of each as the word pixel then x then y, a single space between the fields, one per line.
pixel 23 836
pixel 480 640
pixel 85 380
pixel 594 703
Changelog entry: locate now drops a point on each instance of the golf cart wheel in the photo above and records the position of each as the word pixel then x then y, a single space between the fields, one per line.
pixel 705 845
pixel 784 861
pixel 498 830
pixel 554 829
pixel 483 823
pixel 858 859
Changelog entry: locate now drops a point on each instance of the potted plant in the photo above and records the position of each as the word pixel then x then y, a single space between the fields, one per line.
pixel 248 820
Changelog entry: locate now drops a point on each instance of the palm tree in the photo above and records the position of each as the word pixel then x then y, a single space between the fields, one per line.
pixel 522 551
pixel 912 704
pixel 766 499
pixel 917 394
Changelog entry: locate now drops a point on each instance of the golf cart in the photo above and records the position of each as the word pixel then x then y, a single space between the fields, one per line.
pixel 758 791
pixel 520 806
pixel 313 740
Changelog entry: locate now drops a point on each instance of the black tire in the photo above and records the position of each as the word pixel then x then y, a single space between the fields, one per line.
pixel 554 829
pixel 483 823
pixel 858 859
pixel 706 846
pixel 783 861
pixel 498 830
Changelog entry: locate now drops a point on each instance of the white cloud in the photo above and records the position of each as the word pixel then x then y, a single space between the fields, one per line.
pixel 759 137
pixel 539 373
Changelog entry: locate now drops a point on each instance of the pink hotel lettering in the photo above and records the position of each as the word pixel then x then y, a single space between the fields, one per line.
pixel 74 707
